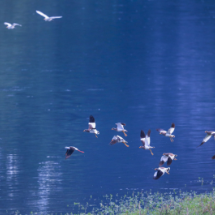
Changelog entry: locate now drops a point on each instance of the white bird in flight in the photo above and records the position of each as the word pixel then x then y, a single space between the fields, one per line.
pixel 168 133
pixel 47 18
pixel 120 127
pixel 118 139
pixel 70 150
pixel 167 157
pixel 160 171
pixel 145 139
pixel 92 126
pixel 11 26
pixel 207 137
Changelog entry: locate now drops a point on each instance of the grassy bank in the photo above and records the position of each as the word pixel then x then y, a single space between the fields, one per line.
pixel 199 204
pixel 147 203
pixel 157 204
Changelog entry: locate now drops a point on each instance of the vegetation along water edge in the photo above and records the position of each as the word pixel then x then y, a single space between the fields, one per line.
pixel 147 203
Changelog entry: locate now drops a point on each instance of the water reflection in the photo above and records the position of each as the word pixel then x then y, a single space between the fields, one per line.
pixel 12 168
pixel 12 177
pixel 49 183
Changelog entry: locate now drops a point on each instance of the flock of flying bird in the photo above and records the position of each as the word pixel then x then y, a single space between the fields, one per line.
pixel 46 18
pixel 145 139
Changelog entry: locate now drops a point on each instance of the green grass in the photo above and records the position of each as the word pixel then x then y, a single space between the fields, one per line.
pixel 159 204
pixel 171 203
pixel 147 203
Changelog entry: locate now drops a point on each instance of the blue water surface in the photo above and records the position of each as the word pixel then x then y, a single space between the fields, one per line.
pixel 144 63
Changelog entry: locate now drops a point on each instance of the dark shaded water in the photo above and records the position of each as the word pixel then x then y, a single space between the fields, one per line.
pixel 145 63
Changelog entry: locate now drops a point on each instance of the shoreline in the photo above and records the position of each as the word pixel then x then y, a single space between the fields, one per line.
pixel 160 204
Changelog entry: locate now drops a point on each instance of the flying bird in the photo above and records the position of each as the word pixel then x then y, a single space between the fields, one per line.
pixel 160 171
pixel 47 18
pixel 167 157
pixel 120 127
pixel 70 150
pixel 168 133
pixel 145 139
pixel 11 26
pixel 207 137
pixel 118 139
pixel 92 126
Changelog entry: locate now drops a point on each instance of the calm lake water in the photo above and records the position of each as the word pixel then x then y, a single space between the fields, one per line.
pixel 145 63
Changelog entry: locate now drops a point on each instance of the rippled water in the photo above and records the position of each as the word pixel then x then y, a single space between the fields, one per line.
pixel 145 63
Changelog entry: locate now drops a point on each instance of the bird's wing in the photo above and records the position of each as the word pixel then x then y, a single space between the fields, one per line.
pixel 91 119
pixel 210 132
pixel 164 159
pixel 142 137
pixel 114 140
pixel 169 161
pixel 6 23
pixel 56 17
pixel 157 174
pixel 16 24
pixel 161 163
pixel 161 131
pixel 69 152
pixel 42 14
pixel 120 139
pixel 171 155
pixel 207 137
pixel 171 129
pixel 92 125
pixel 143 141
pixel 92 122
pixel 147 141
pixel 119 126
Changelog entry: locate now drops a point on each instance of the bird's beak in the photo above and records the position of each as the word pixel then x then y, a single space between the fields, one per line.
pixel 139 147
pixel 168 173
pixel 175 159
